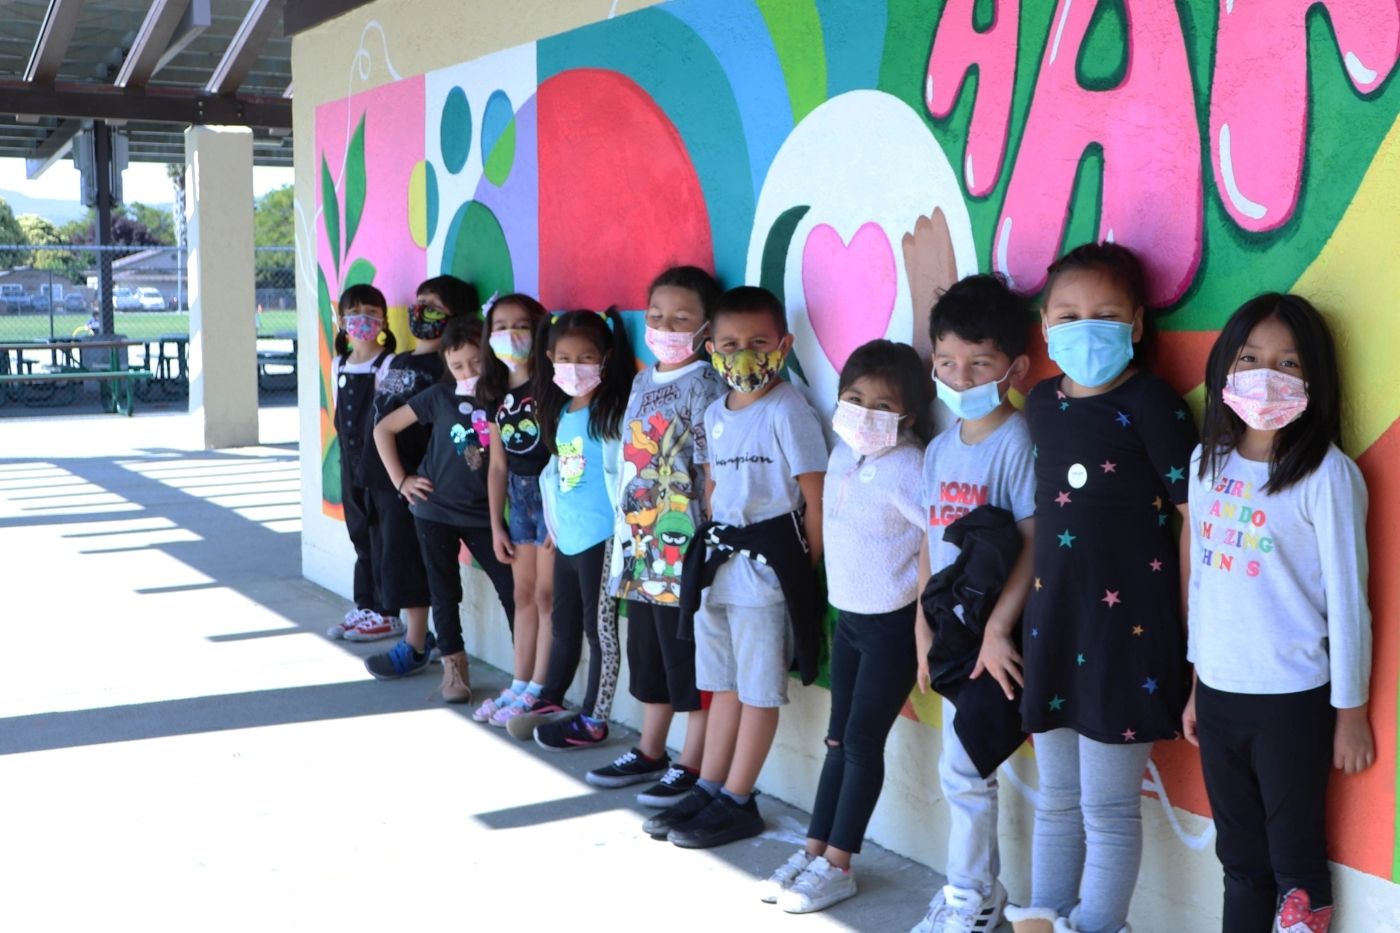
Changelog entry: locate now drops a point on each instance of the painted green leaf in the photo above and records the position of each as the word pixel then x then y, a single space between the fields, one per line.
pixel 354 184
pixel 330 211
pixel 502 157
pixel 330 473
pixel 325 309
pixel 361 272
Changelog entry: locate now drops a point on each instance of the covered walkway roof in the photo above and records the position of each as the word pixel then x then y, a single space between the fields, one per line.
pixel 149 68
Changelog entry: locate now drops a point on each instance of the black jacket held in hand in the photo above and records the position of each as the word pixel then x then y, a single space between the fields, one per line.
pixel 777 542
pixel 957 603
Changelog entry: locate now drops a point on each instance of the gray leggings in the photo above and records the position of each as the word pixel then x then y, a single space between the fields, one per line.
pixel 1088 828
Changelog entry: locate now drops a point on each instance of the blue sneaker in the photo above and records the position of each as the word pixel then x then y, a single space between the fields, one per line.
pixel 399 661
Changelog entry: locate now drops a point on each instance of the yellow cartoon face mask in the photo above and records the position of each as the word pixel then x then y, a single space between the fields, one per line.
pixel 748 370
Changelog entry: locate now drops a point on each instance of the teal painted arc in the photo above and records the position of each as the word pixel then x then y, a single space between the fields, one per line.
pixel 854 37
pixel 475 250
pixel 455 130
pixel 772 269
pixel 430 194
pixel 683 77
pixel 735 31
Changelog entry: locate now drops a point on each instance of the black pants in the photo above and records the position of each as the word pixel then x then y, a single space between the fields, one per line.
pixel 400 579
pixel 660 664
pixel 355 501
pixel 873 667
pixel 1266 760
pixel 440 544
pixel 578 602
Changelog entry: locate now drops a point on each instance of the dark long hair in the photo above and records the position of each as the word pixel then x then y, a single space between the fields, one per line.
pixel 609 335
pixel 691 278
pixel 361 295
pixel 495 377
pixel 1122 267
pixel 1299 448
pixel 898 366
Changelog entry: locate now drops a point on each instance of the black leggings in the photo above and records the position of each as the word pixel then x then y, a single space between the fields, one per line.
pixel 1266 760
pixel 583 608
pixel 873 666
pixel 440 545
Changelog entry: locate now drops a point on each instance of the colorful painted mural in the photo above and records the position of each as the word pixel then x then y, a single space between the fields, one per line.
pixel 857 157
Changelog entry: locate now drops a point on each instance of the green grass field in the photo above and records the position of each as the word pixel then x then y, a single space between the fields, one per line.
pixel 135 325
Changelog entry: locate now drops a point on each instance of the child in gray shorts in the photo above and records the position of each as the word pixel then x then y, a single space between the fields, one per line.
pixel 767 458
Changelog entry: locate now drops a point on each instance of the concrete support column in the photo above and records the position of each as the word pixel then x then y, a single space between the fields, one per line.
pixel 223 336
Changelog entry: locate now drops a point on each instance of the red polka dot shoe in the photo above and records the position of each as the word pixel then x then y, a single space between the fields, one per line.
pixel 1297 916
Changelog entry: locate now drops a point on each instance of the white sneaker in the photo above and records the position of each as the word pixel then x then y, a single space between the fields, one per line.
pixel 819 886
pixel 959 910
pixel 782 879
pixel 937 911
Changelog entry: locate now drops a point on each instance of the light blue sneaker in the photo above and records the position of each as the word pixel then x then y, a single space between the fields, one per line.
pixel 399 661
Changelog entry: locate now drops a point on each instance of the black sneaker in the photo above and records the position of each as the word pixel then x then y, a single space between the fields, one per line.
pixel 630 768
pixel 721 822
pixel 677 813
pixel 676 783
pixel 569 734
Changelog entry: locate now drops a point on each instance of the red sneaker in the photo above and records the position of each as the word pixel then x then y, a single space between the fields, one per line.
pixel 1297 916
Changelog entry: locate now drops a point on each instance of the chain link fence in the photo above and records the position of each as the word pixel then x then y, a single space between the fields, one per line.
pixel 49 296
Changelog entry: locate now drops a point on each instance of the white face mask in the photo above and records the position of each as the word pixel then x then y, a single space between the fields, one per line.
pixel 467 386
pixel 865 430
pixel 971 404
pixel 511 347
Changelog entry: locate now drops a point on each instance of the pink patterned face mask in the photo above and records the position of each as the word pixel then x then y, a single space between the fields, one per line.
pixel 1265 399
pixel 362 327
pixel 865 430
pixel 578 378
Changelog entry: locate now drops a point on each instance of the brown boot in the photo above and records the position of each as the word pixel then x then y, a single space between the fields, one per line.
pixel 456 684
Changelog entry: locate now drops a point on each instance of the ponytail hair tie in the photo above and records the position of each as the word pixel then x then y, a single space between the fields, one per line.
pixel 490 303
pixel 383 338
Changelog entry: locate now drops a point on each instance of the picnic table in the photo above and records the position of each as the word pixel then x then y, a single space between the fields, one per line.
pixel 72 362
pixel 278 358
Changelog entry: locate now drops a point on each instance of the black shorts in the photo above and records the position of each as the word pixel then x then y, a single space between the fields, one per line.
pixel 400 582
pixel 661 666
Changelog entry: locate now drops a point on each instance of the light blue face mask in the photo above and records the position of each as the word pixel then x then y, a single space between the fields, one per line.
pixel 970 404
pixel 1092 353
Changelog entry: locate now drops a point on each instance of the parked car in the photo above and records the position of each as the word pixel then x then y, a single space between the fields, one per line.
pixel 13 299
pixel 125 299
pixel 74 301
pixel 151 299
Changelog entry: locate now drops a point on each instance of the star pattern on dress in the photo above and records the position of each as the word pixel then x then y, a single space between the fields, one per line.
pixel 1111 597
pixel 1108 466
pixel 1059 394
pixel 1035 633
pixel 1035 451
pixel 1129 735
pixel 1056 703
pixel 1150 685
pixel 1161 521
pixel 1123 419
pixel 1157 503
pixel 1181 414
pixel 1038 585
pixel 1062 499
pixel 1066 539
pixel 1079 659
pixel 1138 630
pixel 1064 406
pixel 1156 565
pixel 1176 475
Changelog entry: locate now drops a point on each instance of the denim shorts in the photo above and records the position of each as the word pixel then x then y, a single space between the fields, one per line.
pixel 526 523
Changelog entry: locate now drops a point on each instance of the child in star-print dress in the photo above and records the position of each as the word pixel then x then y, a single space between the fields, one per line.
pixel 1104 648
pixel 1278 577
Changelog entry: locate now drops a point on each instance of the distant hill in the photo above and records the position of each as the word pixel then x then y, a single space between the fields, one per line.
pixel 60 212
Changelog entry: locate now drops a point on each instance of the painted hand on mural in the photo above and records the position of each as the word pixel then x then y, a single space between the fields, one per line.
pixel 930 267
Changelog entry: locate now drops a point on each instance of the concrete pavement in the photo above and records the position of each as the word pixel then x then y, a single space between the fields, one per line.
pixel 182 748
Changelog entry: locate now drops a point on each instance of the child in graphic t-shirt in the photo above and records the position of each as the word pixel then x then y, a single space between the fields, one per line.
pixel 663 478
pixel 979 329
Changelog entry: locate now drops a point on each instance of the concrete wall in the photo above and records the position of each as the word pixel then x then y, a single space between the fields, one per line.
pixel 840 154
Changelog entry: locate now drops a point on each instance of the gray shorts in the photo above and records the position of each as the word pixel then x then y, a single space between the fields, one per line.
pixel 745 650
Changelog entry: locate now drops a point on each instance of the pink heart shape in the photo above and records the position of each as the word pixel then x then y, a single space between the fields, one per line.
pixel 850 289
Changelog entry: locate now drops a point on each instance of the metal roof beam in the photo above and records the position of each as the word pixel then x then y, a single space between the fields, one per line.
pixel 169 26
pixel 55 33
pixel 245 47
pixel 52 148
pixel 156 105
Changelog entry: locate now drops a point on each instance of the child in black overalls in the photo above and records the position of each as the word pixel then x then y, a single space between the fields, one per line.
pixel 363 345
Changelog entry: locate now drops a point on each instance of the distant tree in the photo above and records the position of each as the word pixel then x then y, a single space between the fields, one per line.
pixel 11 234
pixel 128 229
pixel 272 226
pixel 39 231
pixel 159 224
